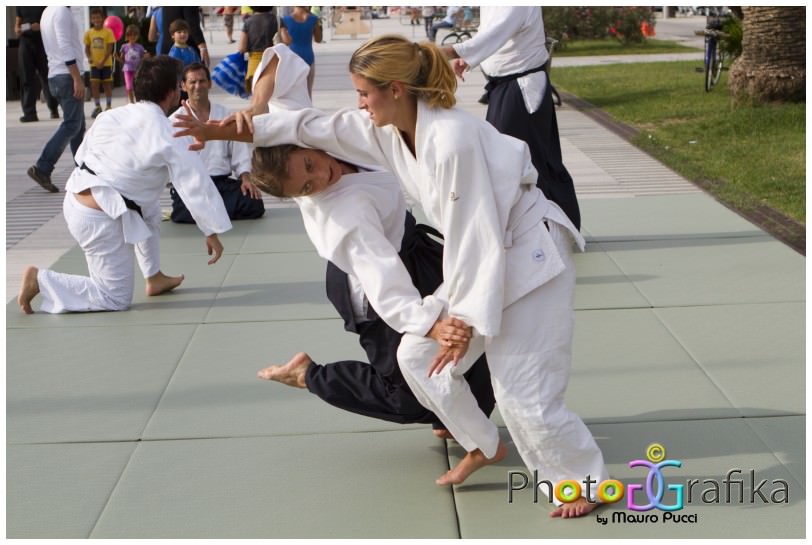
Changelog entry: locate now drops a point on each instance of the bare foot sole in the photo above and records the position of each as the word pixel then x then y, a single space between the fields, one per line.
pixel 28 290
pixel 578 508
pixel 442 434
pixel 291 374
pixel 160 283
pixel 472 461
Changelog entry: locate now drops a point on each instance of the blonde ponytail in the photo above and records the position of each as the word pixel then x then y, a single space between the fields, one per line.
pixel 422 68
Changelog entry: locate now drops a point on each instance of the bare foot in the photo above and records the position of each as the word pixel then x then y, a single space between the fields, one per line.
pixel 578 508
pixel 291 374
pixel 472 461
pixel 160 283
pixel 28 290
pixel 442 433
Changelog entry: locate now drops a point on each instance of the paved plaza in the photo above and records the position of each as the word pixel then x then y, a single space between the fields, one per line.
pixel 151 423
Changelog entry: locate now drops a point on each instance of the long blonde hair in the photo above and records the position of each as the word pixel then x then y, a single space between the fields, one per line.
pixel 422 68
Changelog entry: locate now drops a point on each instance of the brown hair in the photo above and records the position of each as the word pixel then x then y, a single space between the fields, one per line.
pixel 132 29
pixel 156 78
pixel 269 168
pixel 179 24
pixel 422 68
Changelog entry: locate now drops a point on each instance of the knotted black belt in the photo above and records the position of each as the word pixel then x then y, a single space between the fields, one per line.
pixel 132 205
pixel 495 81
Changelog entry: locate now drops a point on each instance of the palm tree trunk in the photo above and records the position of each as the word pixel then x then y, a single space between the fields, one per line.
pixel 772 66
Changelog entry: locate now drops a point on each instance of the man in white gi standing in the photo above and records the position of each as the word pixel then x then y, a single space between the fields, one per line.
pixel 241 198
pixel 112 201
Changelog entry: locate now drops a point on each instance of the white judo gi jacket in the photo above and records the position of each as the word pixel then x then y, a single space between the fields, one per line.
pixel 475 185
pixel 358 222
pixel 133 153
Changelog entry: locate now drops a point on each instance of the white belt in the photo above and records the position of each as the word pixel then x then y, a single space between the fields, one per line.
pixel 531 209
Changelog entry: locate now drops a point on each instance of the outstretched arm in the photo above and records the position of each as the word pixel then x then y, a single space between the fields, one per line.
pixel 189 125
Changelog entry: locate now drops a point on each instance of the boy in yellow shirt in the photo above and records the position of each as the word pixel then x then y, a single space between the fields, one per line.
pixel 99 43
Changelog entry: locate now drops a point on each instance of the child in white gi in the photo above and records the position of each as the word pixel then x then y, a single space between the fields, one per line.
pixel 112 201
pixel 508 265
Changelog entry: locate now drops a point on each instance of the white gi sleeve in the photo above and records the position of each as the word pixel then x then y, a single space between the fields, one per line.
pixel 194 185
pixel 502 24
pixel 474 256
pixel 346 134
pixel 365 252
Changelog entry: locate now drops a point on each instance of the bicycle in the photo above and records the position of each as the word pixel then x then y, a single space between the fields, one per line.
pixel 714 55
pixel 457 36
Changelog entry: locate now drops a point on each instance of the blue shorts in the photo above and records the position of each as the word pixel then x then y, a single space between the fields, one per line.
pixel 101 74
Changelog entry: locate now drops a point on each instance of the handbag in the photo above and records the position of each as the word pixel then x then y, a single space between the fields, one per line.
pixel 229 74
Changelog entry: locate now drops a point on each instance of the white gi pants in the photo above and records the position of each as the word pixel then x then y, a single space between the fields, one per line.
pixel 109 263
pixel 529 363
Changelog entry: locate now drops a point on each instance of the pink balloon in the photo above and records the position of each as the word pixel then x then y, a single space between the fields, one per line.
pixel 115 25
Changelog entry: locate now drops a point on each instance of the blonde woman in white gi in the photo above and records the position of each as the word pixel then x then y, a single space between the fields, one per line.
pixel 508 265
pixel 112 201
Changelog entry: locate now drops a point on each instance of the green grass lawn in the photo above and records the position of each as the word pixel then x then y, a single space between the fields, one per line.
pixel 746 155
pixel 581 48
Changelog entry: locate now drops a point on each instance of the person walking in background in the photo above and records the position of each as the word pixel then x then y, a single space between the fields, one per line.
pixel 510 48
pixel 131 54
pixel 257 36
pixel 298 30
pixel 33 63
pixel 414 15
pixel 63 47
pixel 428 18
pixel 99 44
pixel 228 21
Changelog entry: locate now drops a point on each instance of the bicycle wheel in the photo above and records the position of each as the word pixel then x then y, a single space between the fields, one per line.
pixel 720 61
pixel 464 37
pixel 710 62
pixel 556 96
pixel 451 38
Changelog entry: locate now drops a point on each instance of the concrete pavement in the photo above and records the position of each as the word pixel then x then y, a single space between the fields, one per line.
pixel 150 423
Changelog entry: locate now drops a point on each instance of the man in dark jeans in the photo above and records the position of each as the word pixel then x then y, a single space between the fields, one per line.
pixel 33 63
pixel 64 49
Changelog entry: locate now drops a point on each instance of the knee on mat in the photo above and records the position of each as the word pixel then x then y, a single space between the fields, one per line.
pixel 118 298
